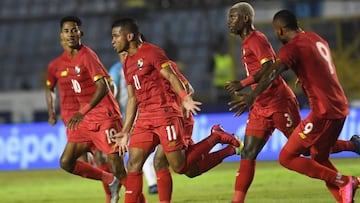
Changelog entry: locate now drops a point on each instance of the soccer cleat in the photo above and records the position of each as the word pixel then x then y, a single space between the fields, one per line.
pixel 239 149
pixel 224 137
pixel 347 192
pixel 114 190
pixel 153 189
pixel 356 140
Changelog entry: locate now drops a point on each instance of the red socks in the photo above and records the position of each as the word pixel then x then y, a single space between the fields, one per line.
pixel 164 182
pixel 213 159
pixel 243 180
pixel 106 167
pixel 86 170
pixel 133 186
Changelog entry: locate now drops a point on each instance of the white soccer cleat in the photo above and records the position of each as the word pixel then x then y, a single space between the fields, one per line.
pixel 114 188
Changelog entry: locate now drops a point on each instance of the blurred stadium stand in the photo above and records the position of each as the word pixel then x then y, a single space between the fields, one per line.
pixel 29 36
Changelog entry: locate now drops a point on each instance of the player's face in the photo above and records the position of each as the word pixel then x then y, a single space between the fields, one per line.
pixel 119 39
pixel 70 34
pixel 64 44
pixel 279 32
pixel 235 21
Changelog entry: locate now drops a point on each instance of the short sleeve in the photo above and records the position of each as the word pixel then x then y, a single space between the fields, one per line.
pixel 95 67
pixel 159 58
pixel 287 54
pixel 263 50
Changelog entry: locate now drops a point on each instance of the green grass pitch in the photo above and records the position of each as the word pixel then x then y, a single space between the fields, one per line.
pixel 272 184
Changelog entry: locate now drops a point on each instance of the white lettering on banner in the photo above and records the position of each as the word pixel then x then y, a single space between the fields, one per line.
pixel 39 146
pixel 21 150
pixel 11 148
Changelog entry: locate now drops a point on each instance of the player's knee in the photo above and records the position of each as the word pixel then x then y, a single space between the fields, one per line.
pixel 134 165
pixel 249 153
pixel 285 158
pixel 67 164
pixel 118 170
pixel 180 169
pixel 160 164
pixel 120 173
pixel 190 175
pixel 193 172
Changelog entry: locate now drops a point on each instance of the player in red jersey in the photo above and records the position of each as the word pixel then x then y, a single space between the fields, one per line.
pixel 159 116
pixel 268 112
pixel 68 107
pixel 309 56
pixel 79 74
pixel 208 161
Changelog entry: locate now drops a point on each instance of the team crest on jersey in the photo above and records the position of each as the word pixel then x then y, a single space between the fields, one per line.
pixel 77 70
pixel 140 63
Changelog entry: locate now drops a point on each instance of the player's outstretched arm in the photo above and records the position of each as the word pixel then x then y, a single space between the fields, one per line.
pixel 188 103
pixel 121 139
pixel 50 101
pixel 235 86
pixel 245 100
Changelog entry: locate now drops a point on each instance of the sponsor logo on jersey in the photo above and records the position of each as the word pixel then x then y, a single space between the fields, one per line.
pixel 302 135
pixel 63 73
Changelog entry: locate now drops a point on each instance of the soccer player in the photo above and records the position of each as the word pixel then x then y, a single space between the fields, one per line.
pixel 68 107
pixel 275 108
pixel 117 74
pixel 159 116
pixel 309 56
pixel 79 74
pixel 268 111
pixel 208 161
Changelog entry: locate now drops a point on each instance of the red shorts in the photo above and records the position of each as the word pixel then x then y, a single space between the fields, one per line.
pixel 284 119
pixel 97 134
pixel 78 135
pixel 100 135
pixel 147 134
pixel 318 133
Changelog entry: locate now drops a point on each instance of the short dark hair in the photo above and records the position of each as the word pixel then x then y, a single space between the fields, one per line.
pixel 70 19
pixel 287 18
pixel 129 24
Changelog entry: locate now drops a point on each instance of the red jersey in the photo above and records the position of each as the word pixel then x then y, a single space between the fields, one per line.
pixel 57 76
pixel 256 50
pixel 309 56
pixel 142 71
pixel 83 70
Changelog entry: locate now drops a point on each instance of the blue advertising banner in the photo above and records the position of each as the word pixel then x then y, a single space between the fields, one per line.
pixel 31 146
pixel 39 145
